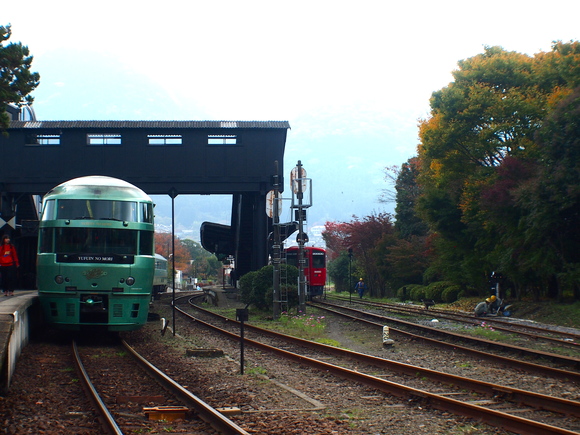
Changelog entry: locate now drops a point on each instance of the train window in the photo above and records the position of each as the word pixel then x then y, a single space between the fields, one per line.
pixel 292 258
pixel 43 139
pixel 165 139
pixel 222 139
pixel 146 243
pixel 48 210
pixel 318 260
pixel 45 237
pixel 161 264
pixel 103 139
pixel 147 212
pixel 95 241
pixel 97 209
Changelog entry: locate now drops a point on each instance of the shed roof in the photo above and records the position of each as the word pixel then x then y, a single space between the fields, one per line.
pixel 150 124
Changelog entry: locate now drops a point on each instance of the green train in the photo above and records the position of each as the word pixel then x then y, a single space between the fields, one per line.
pixel 95 260
pixel 160 281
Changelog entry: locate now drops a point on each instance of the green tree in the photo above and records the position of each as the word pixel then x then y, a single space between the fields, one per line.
pixel 204 264
pixel 551 202
pixel 405 261
pixel 17 81
pixel 487 185
pixel 338 271
pixel 408 223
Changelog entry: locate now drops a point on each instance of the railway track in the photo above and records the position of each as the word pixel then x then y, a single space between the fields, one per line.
pixel 445 399
pixel 453 340
pixel 511 325
pixel 123 390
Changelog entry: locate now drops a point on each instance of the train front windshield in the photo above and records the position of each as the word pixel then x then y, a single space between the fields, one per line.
pixel 98 209
pixel 95 241
pixel 318 260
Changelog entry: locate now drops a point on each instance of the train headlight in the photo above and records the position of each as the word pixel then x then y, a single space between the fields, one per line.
pixel 59 279
pixel 130 280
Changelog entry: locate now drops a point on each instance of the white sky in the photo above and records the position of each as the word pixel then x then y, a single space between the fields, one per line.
pixel 356 74
pixel 282 60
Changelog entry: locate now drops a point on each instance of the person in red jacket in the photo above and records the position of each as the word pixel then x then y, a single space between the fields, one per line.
pixel 8 264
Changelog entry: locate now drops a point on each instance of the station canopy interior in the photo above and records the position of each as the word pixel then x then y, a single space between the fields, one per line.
pixel 238 158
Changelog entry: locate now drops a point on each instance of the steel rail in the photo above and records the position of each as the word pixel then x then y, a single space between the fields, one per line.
pixel 106 417
pixel 466 318
pixel 208 414
pixel 550 371
pixel 458 317
pixel 495 418
pixel 569 361
pixel 535 400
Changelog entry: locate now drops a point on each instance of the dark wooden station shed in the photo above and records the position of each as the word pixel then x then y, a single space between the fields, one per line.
pixel 160 157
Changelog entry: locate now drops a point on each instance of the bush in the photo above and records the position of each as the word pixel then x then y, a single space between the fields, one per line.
pixel 451 293
pixel 416 292
pixel 262 283
pixel 291 292
pixel 442 291
pixel 246 285
pixel 256 287
pixel 404 293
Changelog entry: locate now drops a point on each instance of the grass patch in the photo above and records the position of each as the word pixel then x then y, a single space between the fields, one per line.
pixel 306 326
pixel 487 331
pixel 329 342
pixel 255 371
pixel 563 314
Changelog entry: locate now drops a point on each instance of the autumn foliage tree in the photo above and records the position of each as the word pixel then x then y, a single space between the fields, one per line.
pixel 494 187
pixel 363 237
pixel 496 158
pixel 164 247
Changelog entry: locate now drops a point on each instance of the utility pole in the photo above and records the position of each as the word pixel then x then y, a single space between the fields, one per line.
pixel 173 195
pixel 350 275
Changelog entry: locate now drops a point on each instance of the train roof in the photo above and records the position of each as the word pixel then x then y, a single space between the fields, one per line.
pixel 306 248
pixel 98 187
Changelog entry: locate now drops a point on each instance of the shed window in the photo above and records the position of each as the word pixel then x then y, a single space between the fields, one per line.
pixel 43 139
pixel 103 139
pixel 222 139
pixel 165 139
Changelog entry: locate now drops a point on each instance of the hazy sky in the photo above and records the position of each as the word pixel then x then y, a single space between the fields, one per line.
pixel 352 78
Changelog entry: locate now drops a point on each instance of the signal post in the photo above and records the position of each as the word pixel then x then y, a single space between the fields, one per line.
pixel 301 200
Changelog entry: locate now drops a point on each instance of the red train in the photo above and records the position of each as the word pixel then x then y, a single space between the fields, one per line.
pixel 314 267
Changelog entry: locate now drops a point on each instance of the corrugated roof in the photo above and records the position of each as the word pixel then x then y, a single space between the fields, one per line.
pixel 150 124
